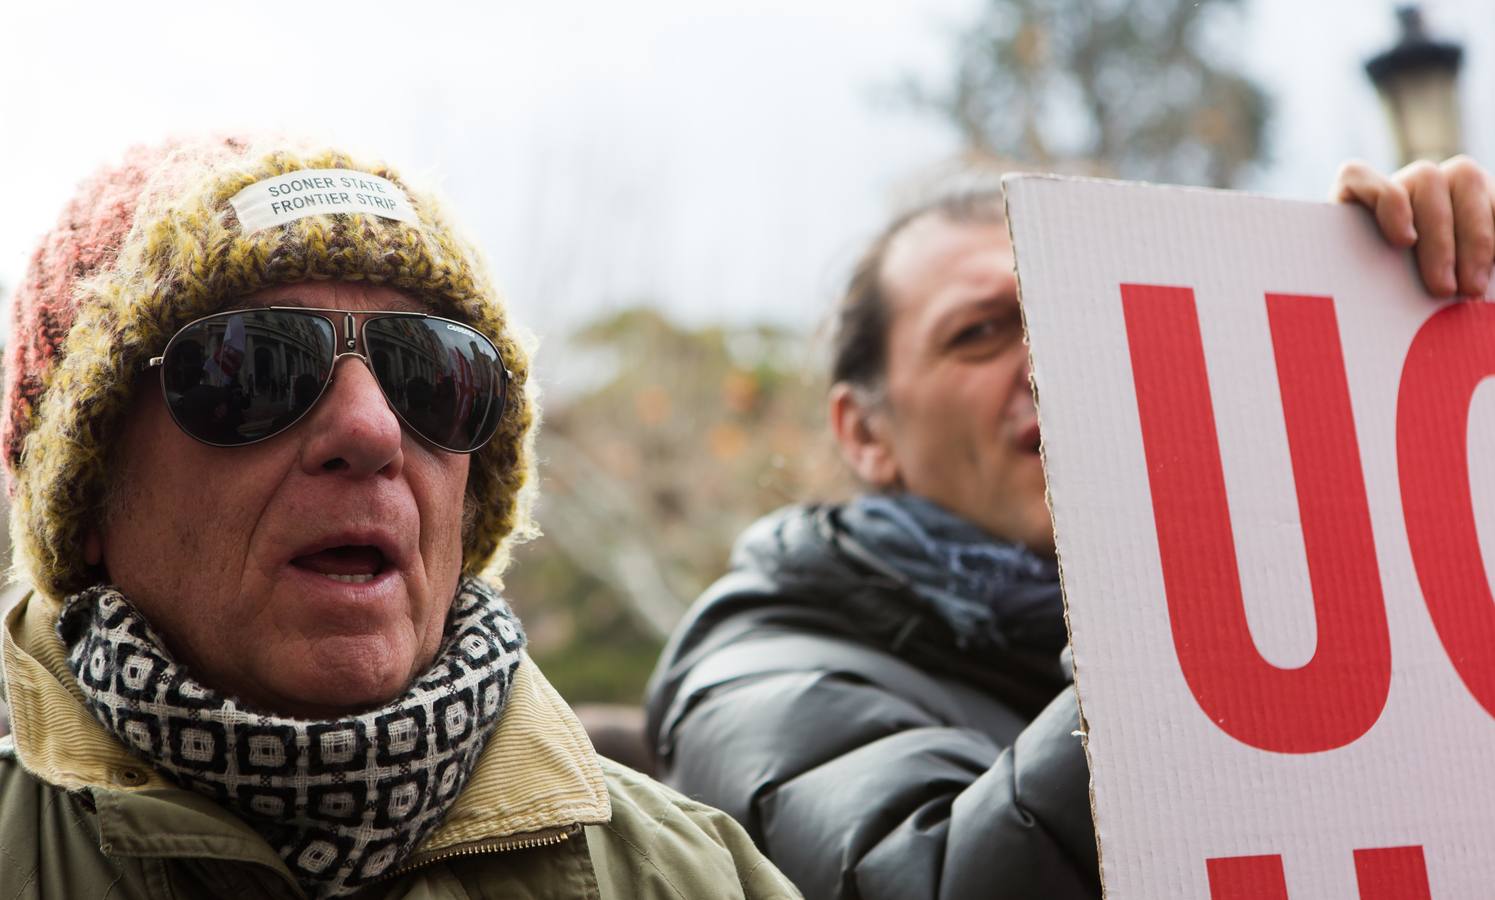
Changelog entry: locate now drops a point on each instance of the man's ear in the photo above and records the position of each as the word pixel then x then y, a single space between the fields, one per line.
pixel 862 433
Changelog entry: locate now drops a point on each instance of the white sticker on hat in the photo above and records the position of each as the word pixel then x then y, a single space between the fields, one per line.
pixel 311 192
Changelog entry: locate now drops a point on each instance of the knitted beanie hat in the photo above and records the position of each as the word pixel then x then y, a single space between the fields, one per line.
pixel 151 244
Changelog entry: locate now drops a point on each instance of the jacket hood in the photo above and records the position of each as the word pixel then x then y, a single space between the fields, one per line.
pixel 825 569
pixel 905 564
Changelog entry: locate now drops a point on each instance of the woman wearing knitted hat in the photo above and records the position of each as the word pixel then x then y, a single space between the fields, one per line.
pixel 267 428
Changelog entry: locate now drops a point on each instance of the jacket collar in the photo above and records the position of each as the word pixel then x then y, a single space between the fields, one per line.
pixel 538 773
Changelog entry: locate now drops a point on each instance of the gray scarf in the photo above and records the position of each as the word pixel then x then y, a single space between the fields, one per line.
pixel 342 801
pixel 993 594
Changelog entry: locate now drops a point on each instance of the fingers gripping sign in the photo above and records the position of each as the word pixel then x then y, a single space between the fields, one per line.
pixel 1444 211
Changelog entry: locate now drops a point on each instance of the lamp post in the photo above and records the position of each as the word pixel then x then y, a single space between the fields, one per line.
pixel 1418 82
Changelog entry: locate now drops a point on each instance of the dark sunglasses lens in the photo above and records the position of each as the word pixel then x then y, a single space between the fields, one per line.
pixel 239 378
pixel 444 379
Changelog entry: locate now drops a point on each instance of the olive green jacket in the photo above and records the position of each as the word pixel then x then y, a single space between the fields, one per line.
pixel 542 816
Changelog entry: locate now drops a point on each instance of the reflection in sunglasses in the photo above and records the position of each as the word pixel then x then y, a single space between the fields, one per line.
pixel 239 377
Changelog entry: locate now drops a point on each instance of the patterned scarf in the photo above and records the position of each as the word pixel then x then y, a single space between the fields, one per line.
pixel 993 594
pixel 342 801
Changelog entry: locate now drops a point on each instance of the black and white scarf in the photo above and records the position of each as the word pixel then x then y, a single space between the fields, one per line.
pixel 342 801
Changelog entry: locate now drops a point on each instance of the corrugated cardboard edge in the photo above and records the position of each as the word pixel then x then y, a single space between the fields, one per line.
pixel 1048 499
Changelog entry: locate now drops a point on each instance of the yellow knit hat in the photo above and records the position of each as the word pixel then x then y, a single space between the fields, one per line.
pixel 153 243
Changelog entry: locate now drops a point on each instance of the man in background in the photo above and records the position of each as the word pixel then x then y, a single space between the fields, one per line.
pixel 876 689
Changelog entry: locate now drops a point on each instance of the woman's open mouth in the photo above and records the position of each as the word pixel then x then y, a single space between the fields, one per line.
pixel 346 563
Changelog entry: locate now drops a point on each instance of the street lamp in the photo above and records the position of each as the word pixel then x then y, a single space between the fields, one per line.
pixel 1418 83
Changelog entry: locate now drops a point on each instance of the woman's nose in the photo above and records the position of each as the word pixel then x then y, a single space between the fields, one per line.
pixel 352 429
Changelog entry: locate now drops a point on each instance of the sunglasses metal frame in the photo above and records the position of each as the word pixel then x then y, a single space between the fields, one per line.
pixel 354 337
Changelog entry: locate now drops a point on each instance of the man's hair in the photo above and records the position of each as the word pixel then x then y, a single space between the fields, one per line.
pixel 859 329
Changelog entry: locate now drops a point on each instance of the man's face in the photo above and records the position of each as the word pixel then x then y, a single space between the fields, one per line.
pixel 253 562
pixel 960 423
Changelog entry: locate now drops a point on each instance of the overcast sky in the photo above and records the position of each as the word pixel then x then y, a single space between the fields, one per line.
pixel 723 158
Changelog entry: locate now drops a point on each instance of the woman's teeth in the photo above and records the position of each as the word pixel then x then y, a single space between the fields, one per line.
pixel 350 579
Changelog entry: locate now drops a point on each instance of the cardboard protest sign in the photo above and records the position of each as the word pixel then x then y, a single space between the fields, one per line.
pixel 1271 463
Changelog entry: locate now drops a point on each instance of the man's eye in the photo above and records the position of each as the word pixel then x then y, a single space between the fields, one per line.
pixel 987 330
pixel 974 332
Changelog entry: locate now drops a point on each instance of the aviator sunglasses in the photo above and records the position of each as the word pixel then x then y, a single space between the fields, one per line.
pixel 238 377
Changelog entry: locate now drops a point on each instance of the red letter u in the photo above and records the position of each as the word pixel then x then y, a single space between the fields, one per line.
pixel 1338 695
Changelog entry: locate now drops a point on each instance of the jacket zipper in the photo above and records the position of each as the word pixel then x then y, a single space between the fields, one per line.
pixel 499 845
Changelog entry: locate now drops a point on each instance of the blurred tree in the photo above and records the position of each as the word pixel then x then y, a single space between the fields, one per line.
pixel 1135 88
pixel 649 476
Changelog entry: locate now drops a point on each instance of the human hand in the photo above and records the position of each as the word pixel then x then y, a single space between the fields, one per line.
pixel 1445 211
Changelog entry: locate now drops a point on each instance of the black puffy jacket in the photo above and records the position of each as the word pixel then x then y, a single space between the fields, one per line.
pixel 869 750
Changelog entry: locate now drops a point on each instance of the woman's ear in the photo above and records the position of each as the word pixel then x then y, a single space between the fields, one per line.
pixel 860 427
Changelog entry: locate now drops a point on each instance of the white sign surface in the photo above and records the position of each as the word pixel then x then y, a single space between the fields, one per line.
pixel 1269 460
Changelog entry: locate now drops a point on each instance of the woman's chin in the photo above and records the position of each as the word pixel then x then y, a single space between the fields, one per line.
pixel 341 676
